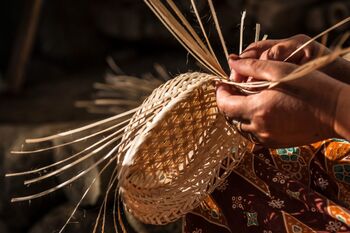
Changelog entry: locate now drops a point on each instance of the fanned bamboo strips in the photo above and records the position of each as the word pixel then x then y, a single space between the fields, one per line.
pixel 113 65
pixel 184 37
pixel 344 21
pixel 70 165
pixel 257 32
pixel 63 184
pixel 146 86
pixel 188 26
pixel 161 72
pixel 203 29
pixel 155 106
pixel 115 80
pixel 116 102
pixel 241 34
pixel 218 29
pixel 116 191
pixel 70 132
pixel 115 134
pixel 324 40
pixel 120 219
pixel 85 193
pixel 343 39
pixel 75 141
pixel 170 25
pixel 110 185
pixel 62 161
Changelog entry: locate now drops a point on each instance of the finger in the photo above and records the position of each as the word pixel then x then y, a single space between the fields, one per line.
pixel 233 57
pixel 247 128
pixel 281 51
pixel 262 70
pixel 234 76
pixel 255 50
pixel 242 127
pixel 231 103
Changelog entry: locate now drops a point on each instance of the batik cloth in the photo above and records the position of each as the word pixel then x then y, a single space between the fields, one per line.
pixel 292 190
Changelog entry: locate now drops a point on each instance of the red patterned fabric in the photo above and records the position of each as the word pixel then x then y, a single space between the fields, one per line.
pixel 292 190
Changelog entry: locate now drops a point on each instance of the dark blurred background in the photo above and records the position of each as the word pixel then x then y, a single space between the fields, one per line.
pixel 51 53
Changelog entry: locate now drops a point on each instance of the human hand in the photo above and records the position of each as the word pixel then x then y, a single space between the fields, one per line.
pixel 280 50
pixel 295 113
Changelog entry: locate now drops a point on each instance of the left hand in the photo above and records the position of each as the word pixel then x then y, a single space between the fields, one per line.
pixel 295 113
pixel 279 50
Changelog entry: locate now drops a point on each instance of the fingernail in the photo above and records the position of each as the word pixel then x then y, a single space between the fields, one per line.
pixel 232 78
pixel 232 57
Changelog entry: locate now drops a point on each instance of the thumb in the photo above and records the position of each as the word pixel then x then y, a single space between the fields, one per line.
pixel 262 69
pixel 234 76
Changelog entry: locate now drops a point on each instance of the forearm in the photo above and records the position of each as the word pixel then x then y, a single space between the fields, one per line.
pixel 342 119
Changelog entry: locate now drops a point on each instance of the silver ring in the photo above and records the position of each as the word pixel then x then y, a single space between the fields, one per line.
pixel 237 125
pixel 253 139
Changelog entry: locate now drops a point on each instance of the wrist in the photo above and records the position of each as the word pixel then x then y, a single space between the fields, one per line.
pixel 338 70
pixel 342 116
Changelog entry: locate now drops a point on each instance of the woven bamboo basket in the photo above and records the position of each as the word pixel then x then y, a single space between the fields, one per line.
pixel 181 153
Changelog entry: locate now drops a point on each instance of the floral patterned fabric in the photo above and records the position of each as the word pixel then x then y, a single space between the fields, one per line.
pixel 292 190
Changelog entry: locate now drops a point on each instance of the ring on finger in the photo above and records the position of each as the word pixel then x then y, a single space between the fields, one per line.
pixel 253 139
pixel 237 125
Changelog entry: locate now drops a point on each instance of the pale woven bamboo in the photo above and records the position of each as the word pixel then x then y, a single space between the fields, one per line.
pixel 183 152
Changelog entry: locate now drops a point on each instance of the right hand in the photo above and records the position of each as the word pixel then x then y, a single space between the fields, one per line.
pixel 294 113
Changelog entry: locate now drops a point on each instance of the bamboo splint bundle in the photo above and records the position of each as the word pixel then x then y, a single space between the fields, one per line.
pixel 121 92
pixel 176 148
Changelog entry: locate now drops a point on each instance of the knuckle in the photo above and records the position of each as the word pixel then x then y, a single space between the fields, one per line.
pixel 258 65
pixel 275 52
pixel 264 116
pixel 264 138
pixel 256 45
pixel 253 46
pixel 221 105
pixel 302 38
pixel 263 119
pixel 265 55
pixel 224 107
pixel 268 139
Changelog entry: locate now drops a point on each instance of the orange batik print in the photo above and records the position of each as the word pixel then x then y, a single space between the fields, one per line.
pixel 245 169
pixel 293 225
pixel 339 213
pixel 336 158
pixel 288 190
pixel 294 161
